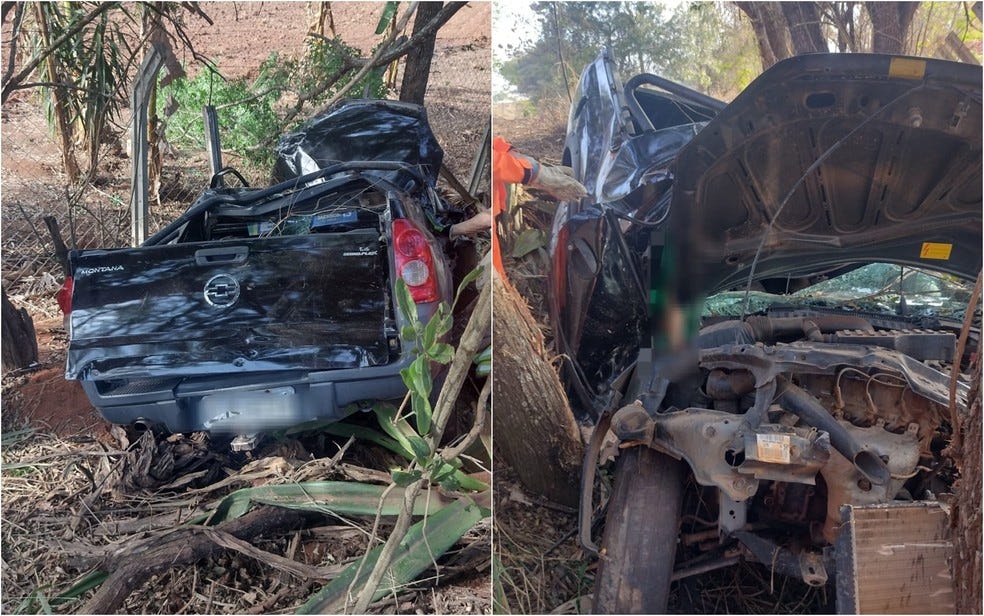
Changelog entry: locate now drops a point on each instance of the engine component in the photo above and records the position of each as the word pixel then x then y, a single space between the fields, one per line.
pixel 706 439
pixel 845 485
pixel 732 514
pixel 724 451
pixel 865 399
pixel 810 410
pixel 810 566
pixel 921 344
pixel 783 453
pixel 795 503
pixel 773 329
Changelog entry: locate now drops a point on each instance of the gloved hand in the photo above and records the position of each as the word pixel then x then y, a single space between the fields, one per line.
pixel 559 182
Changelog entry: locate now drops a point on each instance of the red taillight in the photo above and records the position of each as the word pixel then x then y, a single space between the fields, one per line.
pixel 64 296
pixel 414 261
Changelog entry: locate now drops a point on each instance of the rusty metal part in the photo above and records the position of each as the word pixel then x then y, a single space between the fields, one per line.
pixel 845 485
pixel 877 397
pixel 725 452
pixel 812 569
pixel 770 330
pixel 244 442
pixel 803 404
pixel 767 362
pixel 810 566
pixel 588 469
pixel 795 502
pixel 732 514
pixel 700 436
pixel 722 385
pixel 720 563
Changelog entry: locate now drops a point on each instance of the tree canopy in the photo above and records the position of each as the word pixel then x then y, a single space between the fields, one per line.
pixel 719 47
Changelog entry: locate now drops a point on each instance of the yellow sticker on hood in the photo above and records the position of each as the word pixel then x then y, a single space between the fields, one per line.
pixel 907 68
pixel 932 250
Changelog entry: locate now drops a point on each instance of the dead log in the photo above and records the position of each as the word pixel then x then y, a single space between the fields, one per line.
pixel 19 341
pixel 131 569
pixel 535 431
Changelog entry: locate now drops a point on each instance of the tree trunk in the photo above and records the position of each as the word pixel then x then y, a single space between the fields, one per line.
pixel 417 68
pixel 535 431
pixel 19 342
pixel 58 95
pixel 804 27
pixel 771 31
pixel 890 23
pixel 966 516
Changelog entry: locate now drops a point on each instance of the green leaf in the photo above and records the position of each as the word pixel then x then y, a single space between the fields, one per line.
pixel 420 448
pixel 84 585
pixel 438 325
pixel 404 478
pixel 405 302
pixel 407 375
pixel 389 12
pixel 423 412
pixel 338 428
pixel 450 483
pixel 442 353
pixel 386 415
pixel 443 470
pixel 469 483
pixel 338 497
pixel 422 382
pixel 469 277
pixel 528 241
pixel 425 541
pixel 408 332
pixel 483 362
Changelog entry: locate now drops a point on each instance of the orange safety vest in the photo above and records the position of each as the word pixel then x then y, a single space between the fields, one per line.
pixel 507 168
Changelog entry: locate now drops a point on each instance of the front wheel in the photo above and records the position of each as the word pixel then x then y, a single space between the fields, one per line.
pixel 641 529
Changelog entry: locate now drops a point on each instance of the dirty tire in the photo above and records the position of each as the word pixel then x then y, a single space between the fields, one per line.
pixel 639 544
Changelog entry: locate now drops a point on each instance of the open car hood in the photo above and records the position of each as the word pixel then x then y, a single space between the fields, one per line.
pixel 881 155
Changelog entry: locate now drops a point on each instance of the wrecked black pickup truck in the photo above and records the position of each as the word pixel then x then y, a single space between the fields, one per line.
pixel 827 227
pixel 262 308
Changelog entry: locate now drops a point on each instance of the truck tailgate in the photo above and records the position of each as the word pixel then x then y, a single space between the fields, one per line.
pixel 307 302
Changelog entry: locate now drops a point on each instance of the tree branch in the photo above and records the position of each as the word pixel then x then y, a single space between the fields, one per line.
pixel 14 35
pixel 383 57
pixel 34 62
pixel 182 548
pixel 471 338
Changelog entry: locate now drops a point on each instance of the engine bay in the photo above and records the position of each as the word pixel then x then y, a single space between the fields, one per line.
pixel 787 419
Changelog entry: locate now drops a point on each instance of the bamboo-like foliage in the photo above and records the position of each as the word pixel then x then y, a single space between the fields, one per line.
pixel 86 75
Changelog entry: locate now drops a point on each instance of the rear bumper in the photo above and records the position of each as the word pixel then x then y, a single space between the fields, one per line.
pixel 240 403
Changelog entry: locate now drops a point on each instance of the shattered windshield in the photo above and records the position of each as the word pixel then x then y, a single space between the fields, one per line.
pixel 878 287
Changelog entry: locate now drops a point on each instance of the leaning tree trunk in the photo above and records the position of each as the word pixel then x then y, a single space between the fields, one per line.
pixel 19 342
pixel 535 431
pixel 417 68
